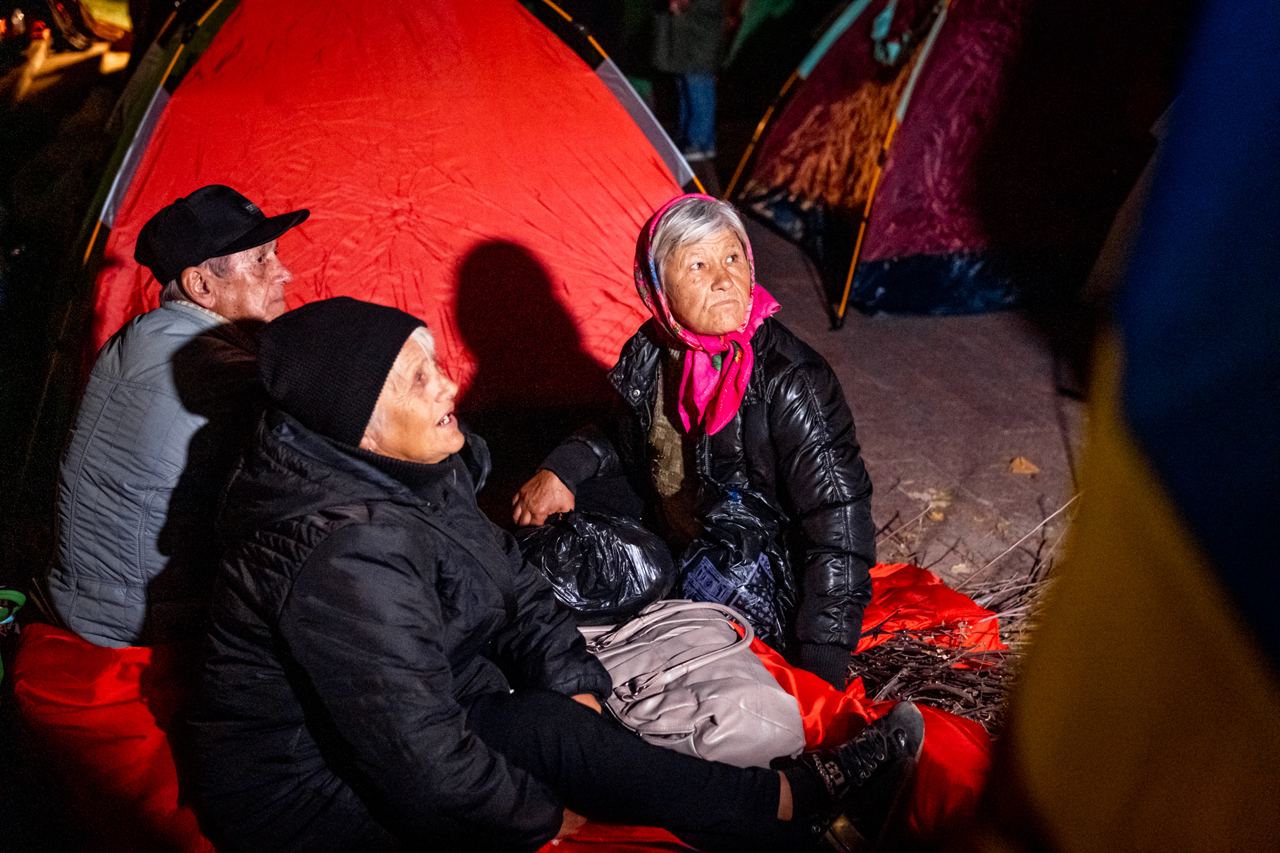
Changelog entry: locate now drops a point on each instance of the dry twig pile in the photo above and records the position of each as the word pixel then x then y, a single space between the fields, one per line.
pixel 912 665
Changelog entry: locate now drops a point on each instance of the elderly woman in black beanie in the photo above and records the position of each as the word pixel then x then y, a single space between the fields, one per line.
pixel 383 671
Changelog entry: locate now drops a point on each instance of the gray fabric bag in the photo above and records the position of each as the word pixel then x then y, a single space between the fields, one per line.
pixel 685 679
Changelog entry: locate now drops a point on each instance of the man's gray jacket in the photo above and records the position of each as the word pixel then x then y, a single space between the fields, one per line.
pixel 170 401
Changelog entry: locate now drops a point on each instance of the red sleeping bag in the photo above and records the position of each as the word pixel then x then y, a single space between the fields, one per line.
pixel 104 716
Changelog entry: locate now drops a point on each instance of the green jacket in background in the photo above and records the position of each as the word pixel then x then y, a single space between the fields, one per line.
pixel 690 42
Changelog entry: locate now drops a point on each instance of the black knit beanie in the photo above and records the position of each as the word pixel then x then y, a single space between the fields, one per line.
pixel 326 362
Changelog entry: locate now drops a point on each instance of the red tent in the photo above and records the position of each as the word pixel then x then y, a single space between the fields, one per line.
pixel 460 162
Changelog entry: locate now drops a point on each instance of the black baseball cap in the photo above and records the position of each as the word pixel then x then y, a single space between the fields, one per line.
pixel 210 222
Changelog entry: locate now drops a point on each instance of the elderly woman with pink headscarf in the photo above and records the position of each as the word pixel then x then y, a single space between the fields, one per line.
pixel 734 431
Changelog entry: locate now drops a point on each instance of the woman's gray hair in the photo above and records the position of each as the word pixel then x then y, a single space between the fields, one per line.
pixel 423 337
pixel 378 418
pixel 692 221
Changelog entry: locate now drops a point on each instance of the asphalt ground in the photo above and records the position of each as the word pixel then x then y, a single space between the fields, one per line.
pixel 971 448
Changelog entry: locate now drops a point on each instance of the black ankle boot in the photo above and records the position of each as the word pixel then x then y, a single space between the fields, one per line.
pixel 866 779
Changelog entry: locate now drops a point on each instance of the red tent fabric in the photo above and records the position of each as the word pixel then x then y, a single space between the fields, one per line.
pixel 460 163
pixel 105 715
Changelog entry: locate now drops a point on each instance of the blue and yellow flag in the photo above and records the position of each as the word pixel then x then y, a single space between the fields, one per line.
pixel 1148 716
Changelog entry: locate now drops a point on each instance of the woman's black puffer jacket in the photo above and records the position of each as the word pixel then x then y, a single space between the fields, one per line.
pixel 792 447
pixel 353 621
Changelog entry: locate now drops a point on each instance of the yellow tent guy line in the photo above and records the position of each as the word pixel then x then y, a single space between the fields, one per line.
pixel 199 23
pixel 172 62
pixel 561 12
pixel 93 238
pixel 205 16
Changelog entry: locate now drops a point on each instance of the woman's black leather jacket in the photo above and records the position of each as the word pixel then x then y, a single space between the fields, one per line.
pixel 792 453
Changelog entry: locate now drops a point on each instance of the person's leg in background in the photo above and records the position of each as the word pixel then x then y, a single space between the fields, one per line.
pixel 698 115
pixel 683 112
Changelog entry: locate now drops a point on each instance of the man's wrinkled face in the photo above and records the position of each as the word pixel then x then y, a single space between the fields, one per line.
pixel 413 418
pixel 249 285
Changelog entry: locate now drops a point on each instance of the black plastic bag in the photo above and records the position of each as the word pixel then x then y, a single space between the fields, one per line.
pixel 603 568
pixel 736 561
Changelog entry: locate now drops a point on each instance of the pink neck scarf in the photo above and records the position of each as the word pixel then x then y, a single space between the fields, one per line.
pixel 715 369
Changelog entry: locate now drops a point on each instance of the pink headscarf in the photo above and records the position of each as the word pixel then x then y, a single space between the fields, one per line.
pixel 715 368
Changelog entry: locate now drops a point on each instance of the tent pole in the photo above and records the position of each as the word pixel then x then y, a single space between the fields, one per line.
pixel 862 222
pixel 836 28
pixel 899 115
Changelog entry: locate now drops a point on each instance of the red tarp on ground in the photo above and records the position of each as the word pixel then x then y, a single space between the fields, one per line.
pixel 460 163
pixel 104 714
pixel 957 752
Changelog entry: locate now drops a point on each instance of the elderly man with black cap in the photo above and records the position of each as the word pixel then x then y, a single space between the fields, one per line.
pixel 384 672
pixel 169 402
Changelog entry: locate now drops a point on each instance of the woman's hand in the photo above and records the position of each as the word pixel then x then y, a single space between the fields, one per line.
pixel 570 823
pixel 590 701
pixel 542 496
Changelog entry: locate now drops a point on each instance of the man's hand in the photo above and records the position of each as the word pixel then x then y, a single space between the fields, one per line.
pixel 542 496
pixel 590 701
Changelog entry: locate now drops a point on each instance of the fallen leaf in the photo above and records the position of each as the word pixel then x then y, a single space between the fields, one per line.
pixel 961 568
pixel 936 515
pixel 935 498
pixel 1022 465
